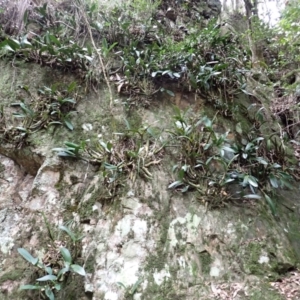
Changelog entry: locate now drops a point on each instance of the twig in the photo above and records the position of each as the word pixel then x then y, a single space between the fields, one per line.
pixel 99 57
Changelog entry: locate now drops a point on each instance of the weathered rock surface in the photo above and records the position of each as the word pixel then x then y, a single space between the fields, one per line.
pixel 144 243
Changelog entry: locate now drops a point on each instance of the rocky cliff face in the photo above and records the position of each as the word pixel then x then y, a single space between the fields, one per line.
pixel 140 241
pixel 86 176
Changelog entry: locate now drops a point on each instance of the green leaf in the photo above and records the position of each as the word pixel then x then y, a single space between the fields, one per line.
pixel 276 166
pixel 246 180
pixel 59 149
pixel 49 270
pixel 28 256
pixel 246 92
pixel 18 115
pixel 252 196
pixel 78 269
pixel 72 86
pixel 228 149
pixel 55 123
pixel 121 284
pixel 153 74
pixel 185 189
pixel 71 145
pixel 47 278
pixel 25 42
pixel 66 255
pixel 109 146
pixel 9 48
pixel 30 287
pixel 253 181
pixel 68 100
pixel 175 167
pixel 175 184
pixel 110 166
pixel 185 167
pixel 63 271
pixel 273 181
pixel 68 231
pixel 15 44
pixel 286 183
pixel 244 155
pixel 249 146
pixel 271 204
pixel 64 152
pixel 105 147
pixel 68 124
pixel 229 180
pixel 49 293
pixel 181 173
pixel 135 286
pixel 207 146
pixel 167 91
pixel 170 93
pixel 262 161
pixel 54 40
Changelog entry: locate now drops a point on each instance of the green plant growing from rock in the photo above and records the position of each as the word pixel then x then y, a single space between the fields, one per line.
pixel 131 152
pixel 205 158
pixel 210 163
pixel 55 266
pixel 72 150
pixel 130 290
pixel 50 107
pixel 263 166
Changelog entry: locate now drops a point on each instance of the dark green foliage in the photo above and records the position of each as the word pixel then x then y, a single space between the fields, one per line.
pixel 56 271
pixel 210 163
pixel 50 107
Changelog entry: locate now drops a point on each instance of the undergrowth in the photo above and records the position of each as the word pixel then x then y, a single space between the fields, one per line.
pixel 143 50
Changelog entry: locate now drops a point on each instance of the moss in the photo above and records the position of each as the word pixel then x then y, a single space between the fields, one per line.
pixel 206 260
pixel 195 269
pixel 15 274
pixel 2 168
pixel 253 252
pixel 91 189
pixel 156 262
pixel 90 263
pixel 134 119
pixel 265 291
pixel 178 232
pixel 60 183
pixel 74 288
pixel 272 269
pixel 74 179
pixel 165 291
pixel 33 221
pixel 86 208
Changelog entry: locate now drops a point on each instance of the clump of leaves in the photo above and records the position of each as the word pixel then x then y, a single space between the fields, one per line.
pixel 130 290
pixel 132 152
pixel 205 157
pixel 287 35
pixel 72 150
pixel 50 107
pixel 134 51
pixel 209 163
pixel 56 270
pixel 263 166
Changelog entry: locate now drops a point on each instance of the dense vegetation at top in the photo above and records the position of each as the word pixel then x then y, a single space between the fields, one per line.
pixel 140 49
